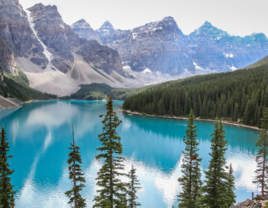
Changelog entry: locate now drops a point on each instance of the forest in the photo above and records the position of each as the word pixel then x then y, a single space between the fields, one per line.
pixel 238 96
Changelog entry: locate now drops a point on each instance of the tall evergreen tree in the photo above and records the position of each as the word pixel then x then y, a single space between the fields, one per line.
pixel 76 175
pixel 133 187
pixel 262 156
pixel 191 180
pixel 216 177
pixel 113 191
pixel 6 189
pixel 230 195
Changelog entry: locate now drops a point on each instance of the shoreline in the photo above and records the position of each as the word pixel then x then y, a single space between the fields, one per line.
pixel 185 118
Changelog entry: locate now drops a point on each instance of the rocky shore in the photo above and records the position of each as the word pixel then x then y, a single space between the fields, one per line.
pixel 9 103
pixel 250 204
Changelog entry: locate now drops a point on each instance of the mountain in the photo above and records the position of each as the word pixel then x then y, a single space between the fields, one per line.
pixel 238 96
pixel 16 32
pixel 155 46
pixel 161 47
pixel 217 50
pixel 83 29
pixel 59 37
pixel 54 58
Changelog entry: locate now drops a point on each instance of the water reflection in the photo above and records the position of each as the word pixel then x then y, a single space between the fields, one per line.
pixel 40 134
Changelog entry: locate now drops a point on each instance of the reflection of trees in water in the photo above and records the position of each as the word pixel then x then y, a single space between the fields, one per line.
pixel 238 138
pixel 159 126
pixel 147 141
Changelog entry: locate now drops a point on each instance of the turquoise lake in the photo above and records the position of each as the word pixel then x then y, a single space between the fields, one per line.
pixel 40 133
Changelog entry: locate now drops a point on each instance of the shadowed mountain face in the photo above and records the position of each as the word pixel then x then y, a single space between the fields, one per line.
pixel 7 61
pixel 16 32
pixel 161 46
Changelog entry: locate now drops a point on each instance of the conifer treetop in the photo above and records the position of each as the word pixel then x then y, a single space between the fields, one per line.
pixel 191 180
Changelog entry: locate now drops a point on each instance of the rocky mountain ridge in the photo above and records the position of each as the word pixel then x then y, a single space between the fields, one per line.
pixel 54 58
pixel 155 46
pixel 161 47
pixel 83 29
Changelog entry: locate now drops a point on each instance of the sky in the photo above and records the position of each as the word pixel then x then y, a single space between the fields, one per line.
pixel 237 17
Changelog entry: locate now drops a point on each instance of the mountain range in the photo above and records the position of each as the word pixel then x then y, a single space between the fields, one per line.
pixel 163 48
pixel 58 58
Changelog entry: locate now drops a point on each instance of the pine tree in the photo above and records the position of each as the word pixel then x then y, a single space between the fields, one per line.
pixel 230 195
pixel 76 175
pixel 216 176
pixel 133 187
pixel 6 194
pixel 191 180
pixel 262 156
pixel 113 191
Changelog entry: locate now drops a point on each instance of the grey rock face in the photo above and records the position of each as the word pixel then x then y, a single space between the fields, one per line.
pixel 61 65
pixel 155 46
pixel 51 30
pixel 103 57
pixel 83 29
pixel 7 61
pixel 16 32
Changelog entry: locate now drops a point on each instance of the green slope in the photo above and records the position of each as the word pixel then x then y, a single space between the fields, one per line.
pixel 263 63
pixel 236 96
pixel 18 87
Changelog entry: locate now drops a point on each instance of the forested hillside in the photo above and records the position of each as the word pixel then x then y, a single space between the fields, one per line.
pixel 18 87
pixel 238 96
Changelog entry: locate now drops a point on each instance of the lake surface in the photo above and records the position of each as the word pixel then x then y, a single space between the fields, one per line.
pixel 40 134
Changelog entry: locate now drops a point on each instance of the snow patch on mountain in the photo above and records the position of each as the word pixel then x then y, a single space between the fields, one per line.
pixel 127 68
pixel 198 67
pixel 228 55
pixel 48 55
pixel 147 71
pixel 134 36
pixel 233 68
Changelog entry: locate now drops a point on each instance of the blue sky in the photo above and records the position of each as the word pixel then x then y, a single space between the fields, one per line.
pixel 237 17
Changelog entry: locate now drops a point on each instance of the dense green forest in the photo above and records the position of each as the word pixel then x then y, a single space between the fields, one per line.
pixel 240 96
pixel 18 87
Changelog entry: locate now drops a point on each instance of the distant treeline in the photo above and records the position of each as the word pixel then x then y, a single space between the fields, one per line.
pixel 242 94
pixel 99 91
